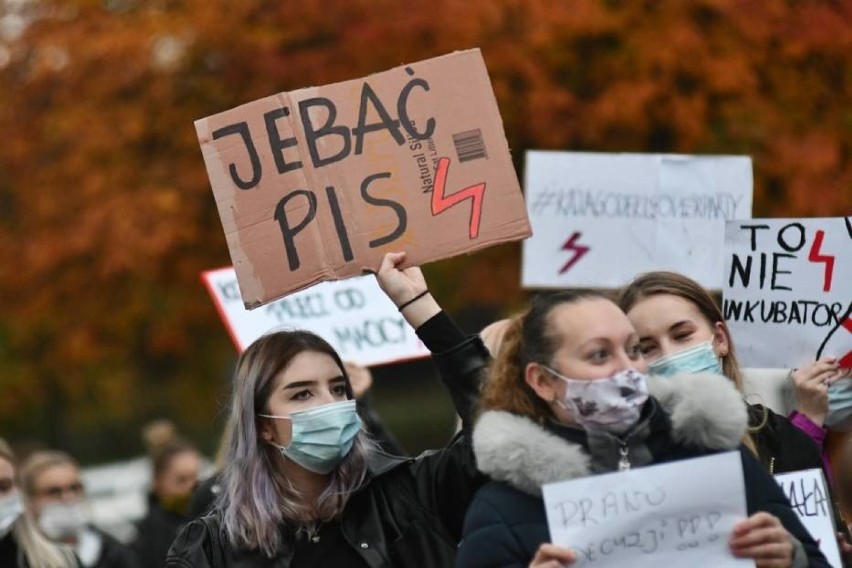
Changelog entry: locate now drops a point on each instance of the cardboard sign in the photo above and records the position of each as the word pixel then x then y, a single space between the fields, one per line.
pixel 807 493
pixel 676 514
pixel 601 219
pixel 787 295
pixel 317 184
pixel 354 316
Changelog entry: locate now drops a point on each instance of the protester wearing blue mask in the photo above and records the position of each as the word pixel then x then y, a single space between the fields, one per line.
pixel 681 329
pixel 567 397
pixel 304 485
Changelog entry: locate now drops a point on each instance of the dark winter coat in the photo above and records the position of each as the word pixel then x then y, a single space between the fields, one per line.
pixel 114 554
pixel 692 417
pixel 409 513
pixel 156 532
pixel 11 556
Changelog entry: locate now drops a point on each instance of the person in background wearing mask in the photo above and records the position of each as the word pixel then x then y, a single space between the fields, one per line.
pixel 21 544
pixel 55 497
pixel 175 465
pixel 682 330
pixel 566 398
pixel 304 484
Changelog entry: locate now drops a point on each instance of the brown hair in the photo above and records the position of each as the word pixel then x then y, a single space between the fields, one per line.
pixel 529 338
pixel 164 444
pixel 674 284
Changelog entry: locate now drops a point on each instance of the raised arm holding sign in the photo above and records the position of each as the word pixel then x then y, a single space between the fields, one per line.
pixel 317 184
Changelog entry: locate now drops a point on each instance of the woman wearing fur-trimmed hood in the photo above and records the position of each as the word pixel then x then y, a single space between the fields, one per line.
pixel 567 397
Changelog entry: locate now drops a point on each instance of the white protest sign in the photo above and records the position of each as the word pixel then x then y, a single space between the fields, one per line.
pixel 600 219
pixel 788 290
pixel 353 315
pixel 807 493
pixel 675 514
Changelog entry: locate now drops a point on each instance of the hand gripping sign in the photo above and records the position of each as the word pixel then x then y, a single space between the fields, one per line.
pixel 317 184
pixel 675 514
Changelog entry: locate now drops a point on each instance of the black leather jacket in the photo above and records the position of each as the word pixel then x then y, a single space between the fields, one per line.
pixel 409 514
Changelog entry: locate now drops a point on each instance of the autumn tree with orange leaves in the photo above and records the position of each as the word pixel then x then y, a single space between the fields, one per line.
pixel 107 218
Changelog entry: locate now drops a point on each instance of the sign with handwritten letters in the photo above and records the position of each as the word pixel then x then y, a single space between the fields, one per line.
pixel 675 514
pixel 353 315
pixel 600 219
pixel 807 493
pixel 788 290
pixel 319 183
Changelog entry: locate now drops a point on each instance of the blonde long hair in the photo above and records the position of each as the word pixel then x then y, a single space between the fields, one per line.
pixel 33 547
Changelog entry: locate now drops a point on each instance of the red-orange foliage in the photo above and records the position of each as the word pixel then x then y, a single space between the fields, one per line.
pixel 106 216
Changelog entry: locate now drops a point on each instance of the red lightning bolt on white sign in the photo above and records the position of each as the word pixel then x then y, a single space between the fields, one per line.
pixel 816 256
pixel 578 249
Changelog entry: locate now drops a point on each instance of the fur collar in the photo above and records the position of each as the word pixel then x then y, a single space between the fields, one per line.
pixel 706 410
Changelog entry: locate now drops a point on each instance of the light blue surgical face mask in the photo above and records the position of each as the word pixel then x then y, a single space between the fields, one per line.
pixel 698 359
pixel 322 436
pixel 839 415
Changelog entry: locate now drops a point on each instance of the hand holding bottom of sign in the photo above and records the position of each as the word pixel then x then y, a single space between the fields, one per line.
pixel 407 289
pixel 811 384
pixel 764 539
pixel 552 556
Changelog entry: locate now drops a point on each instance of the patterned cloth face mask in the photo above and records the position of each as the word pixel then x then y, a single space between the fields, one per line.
pixel 11 508
pixel 612 404
pixel 322 436
pixel 698 359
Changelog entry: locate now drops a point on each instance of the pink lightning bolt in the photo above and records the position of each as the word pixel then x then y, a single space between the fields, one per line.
pixel 816 255
pixel 578 249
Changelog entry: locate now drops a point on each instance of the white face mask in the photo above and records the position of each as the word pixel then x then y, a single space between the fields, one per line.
pixel 61 521
pixel 612 404
pixel 11 508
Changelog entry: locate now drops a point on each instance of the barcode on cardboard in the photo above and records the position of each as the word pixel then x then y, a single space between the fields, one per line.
pixel 469 145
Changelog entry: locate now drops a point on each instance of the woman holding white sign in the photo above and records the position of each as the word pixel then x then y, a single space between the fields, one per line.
pixel 566 398
pixel 303 485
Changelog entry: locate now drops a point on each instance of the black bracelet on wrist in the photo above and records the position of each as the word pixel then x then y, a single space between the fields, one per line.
pixel 412 300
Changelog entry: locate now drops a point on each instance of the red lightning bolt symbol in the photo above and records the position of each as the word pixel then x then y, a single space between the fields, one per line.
pixel 579 251
pixel 845 362
pixel 441 202
pixel 816 256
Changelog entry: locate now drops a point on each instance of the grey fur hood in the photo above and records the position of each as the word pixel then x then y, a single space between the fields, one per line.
pixel 706 410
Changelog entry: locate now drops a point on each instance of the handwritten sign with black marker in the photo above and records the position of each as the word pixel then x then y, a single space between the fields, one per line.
pixel 807 493
pixel 317 184
pixel 353 315
pixel 788 290
pixel 676 514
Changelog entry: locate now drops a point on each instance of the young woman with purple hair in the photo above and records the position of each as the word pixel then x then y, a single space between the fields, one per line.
pixel 304 485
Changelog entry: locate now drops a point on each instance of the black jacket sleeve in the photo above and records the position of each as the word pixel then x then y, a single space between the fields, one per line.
pixel 447 480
